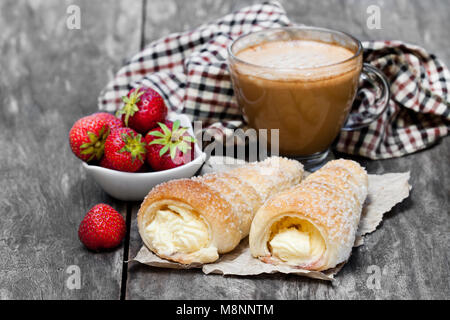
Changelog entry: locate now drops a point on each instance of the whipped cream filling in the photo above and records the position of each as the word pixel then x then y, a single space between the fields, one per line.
pixel 179 230
pixel 296 241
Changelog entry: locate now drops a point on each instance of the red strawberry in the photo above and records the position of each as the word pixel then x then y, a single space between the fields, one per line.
pixel 105 163
pixel 102 228
pixel 145 168
pixel 112 121
pixel 169 146
pixel 87 138
pixel 143 109
pixel 125 150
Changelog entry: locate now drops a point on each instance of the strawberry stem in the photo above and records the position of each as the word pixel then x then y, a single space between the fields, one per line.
pixel 130 107
pixel 134 145
pixel 96 145
pixel 171 140
pixel 175 136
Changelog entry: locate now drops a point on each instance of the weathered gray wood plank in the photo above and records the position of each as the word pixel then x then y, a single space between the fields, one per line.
pixel 414 21
pixel 51 76
pixel 412 244
pixel 410 248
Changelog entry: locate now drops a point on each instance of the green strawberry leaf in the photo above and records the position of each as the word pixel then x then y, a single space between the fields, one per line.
pixel 139 93
pixel 163 150
pixel 165 129
pixel 133 145
pixel 88 150
pixel 130 107
pixel 176 125
pixel 92 137
pixel 156 134
pixel 173 151
pixel 85 145
pixel 189 139
pixel 158 141
pixel 125 137
pixel 124 149
pixel 172 140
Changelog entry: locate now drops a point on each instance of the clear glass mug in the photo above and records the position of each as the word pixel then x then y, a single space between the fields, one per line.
pixel 309 106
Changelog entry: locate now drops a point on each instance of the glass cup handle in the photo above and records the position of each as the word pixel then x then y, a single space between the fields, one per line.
pixel 378 80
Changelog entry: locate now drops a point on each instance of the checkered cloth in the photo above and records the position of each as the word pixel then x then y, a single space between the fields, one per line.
pixel 189 70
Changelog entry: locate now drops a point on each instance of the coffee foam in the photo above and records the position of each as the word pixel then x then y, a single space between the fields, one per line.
pixel 295 60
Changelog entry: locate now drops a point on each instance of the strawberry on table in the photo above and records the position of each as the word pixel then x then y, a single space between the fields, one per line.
pixel 125 150
pixel 102 228
pixel 87 138
pixel 169 146
pixel 143 109
pixel 112 121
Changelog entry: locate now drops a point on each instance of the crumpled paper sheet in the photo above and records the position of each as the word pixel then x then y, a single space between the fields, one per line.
pixel 385 191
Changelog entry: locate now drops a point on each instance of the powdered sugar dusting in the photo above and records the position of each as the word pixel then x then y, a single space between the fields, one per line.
pixel 266 178
pixel 332 198
pixel 234 196
pixel 270 176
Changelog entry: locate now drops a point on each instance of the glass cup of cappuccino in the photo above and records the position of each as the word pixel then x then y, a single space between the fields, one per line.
pixel 303 81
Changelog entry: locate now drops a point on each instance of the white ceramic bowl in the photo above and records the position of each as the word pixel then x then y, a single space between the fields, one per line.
pixel 132 186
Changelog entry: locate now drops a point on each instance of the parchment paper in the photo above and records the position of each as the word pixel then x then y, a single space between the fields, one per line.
pixel 385 191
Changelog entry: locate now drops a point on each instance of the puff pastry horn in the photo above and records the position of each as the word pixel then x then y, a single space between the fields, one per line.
pixel 312 225
pixel 194 220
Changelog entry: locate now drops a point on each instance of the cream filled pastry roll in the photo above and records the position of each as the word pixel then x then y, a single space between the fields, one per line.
pixel 194 220
pixel 313 225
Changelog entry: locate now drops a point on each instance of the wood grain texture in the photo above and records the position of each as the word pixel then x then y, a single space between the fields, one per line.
pixel 415 21
pixel 410 248
pixel 50 76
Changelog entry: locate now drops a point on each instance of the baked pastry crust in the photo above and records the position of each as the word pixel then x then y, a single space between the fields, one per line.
pixel 225 202
pixel 328 202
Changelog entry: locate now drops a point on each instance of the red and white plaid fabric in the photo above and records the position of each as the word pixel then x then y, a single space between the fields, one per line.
pixel 190 71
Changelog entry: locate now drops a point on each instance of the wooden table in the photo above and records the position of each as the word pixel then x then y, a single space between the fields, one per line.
pixel 51 75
